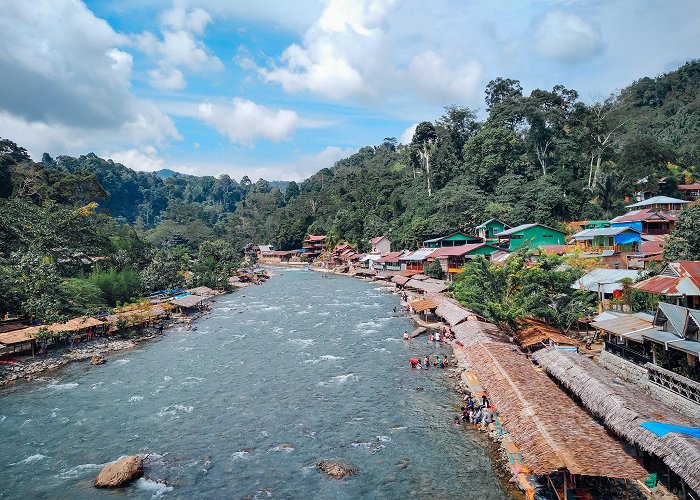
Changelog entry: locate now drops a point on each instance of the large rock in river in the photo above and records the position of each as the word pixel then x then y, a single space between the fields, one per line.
pixel 335 469
pixel 121 472
pixel 97 359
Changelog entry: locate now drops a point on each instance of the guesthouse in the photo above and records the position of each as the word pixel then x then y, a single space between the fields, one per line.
pixel 487 230
pixel 380 245
pixel 452 259
pixel 615 239
pixel 313 246
pixel 661 203
pixel 452 240
pixel 646 221
pixel 678 283
pixel 530 234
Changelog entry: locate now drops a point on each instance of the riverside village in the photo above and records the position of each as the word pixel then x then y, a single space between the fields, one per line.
pixel 350 249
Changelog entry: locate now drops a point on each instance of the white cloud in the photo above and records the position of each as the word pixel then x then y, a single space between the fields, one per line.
pixel 147 159
pixel 179 46
pixel 243 121
pixel 568 38
pixel 67 81
pixel 440 81
pixel 407 135
pixel 167 78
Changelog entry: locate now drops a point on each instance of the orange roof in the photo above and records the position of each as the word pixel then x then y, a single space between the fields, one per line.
pixel 423 305
pixel 313 237
pixel 532 331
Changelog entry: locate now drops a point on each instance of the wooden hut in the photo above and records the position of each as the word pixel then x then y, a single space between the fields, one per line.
pixel 553 433
pixel 533 334
pixel 623 407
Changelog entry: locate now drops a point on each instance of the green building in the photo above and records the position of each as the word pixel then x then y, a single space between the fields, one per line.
pixel 489 229
pixel 453 240
pixel 531 234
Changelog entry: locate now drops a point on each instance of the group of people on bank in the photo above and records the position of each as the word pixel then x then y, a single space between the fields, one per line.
pixel 437 362
pixel 476 412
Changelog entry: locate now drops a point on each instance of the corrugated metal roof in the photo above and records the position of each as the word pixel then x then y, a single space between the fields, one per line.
pixel 391 257
pixel 589 234
pixel 455 251
pixel 660 336
pixel 420 254
pixel 646 214
pixel 676 318
pixel 657 200
pixel 626 325
pixel 523 227
pixel 604 280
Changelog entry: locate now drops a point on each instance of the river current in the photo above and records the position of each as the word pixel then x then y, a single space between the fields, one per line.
pixel 278 376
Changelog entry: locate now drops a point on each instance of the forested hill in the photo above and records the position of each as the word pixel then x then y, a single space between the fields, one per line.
pixel 543 157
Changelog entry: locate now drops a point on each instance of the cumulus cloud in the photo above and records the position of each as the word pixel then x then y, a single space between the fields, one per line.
pixel 243 121
pixel 356 50
pixel 568 38
pixel 435 77
pixel 407 135
pixel 178 46
pixel 66 81
pixel 148 159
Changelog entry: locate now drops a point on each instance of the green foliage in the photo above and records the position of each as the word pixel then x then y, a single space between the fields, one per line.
pixel 81 297
pixel 434 270
pixel 684 242
pixel 116 286
pixel 526 286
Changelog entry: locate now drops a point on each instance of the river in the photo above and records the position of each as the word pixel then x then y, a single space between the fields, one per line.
pixel 277 377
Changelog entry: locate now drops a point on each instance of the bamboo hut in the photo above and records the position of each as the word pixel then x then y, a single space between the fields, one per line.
pixel 553 433
pixel 623 406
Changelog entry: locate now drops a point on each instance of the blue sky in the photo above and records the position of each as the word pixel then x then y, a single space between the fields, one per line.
pixel 281 89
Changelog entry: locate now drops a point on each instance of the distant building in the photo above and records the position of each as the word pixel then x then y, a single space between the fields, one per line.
pixel 532 234
pixel 262 251
pixel 380 245
pixel 416 261
pixel 313 246
pixel 487 230
pixel 678 283
pixel 611 239
pixel 452 240
pixel 389 262
pixel 647 221
pixel 690 192
pixel 452 259
pixel 661 203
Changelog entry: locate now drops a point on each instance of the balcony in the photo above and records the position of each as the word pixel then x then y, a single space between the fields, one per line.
pixel 627 354
pixel 679 384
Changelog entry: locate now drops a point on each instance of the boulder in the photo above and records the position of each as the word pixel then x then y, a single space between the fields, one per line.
pixel 97 360
pixel 120 473
pixel 335 469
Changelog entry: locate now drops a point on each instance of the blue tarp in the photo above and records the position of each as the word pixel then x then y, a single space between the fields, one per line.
pixel 624 238
pixel 633 225
pixel 661 429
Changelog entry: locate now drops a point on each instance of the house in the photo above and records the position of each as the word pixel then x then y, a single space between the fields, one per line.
pixel 690 192
pixel 678 283
pixel 649 253
pixel 313 246
pixel 389 262
pixel 615 239
pixel 606 283
pixel 580 225
pixel 452 240
pixel 661 203
pixel 676 342
pixel 487 230
pixel 380 245
pixel 262 251
pixel 646 221
pixel 416 261
pixel 453 258
pixel 622 334
pixel 531 234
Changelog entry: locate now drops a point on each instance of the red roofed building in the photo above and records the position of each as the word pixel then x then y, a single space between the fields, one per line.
pixel 452 259
pixel 647 221
pixel 389 262
pixel 678 283
pixel 313 246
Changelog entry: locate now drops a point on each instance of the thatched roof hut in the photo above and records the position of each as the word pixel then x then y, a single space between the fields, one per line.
pixel 450 310
pixel 423 305
pixel 479 332
pixel 18 336
pixel 188 301
pixel 535 334
pixel 400 280
pixel 551 430
pixel 427 286
pixel 623 406
pixel 203 291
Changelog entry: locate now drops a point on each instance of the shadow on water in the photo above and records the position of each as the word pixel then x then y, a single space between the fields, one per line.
pixel 276 378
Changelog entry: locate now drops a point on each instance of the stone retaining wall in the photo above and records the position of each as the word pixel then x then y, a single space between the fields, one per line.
pixel 636 374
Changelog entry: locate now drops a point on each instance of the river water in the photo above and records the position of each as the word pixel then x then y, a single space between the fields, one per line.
pixel 276 378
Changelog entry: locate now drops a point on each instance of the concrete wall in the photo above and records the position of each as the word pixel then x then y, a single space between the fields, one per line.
pixel 636 374
pixel 624 369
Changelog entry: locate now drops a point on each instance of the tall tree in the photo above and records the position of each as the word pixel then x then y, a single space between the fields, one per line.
pixel 423 144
